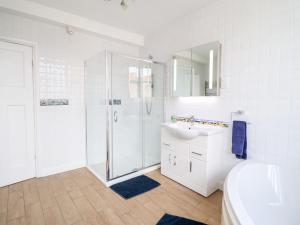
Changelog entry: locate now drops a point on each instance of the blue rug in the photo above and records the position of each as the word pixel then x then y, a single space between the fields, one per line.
pixel 135 186
pixel 168 219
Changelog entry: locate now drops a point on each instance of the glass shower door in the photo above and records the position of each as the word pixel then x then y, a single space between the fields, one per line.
pixel 95 100
pixel 126 112
pixel 153 111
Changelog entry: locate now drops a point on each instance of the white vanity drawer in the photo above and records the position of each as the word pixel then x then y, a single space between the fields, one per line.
pixel 198 152
pixel 167 145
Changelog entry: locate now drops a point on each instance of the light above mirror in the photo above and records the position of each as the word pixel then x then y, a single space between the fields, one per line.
pixel 196 71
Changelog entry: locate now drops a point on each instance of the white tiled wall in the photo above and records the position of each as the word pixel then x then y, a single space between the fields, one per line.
pixel 60 62
pixel 260 71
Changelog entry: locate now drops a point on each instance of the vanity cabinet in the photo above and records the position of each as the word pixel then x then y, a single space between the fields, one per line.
pixel 193 163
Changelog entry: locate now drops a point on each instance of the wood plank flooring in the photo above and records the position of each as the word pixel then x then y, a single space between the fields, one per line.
pixel 78 198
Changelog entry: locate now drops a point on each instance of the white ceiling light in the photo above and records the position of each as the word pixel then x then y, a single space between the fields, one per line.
pixel 123 4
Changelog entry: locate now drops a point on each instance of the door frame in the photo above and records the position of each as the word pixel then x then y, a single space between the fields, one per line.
pixel 36 94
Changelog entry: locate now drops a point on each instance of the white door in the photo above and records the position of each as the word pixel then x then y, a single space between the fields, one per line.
pixel 17 154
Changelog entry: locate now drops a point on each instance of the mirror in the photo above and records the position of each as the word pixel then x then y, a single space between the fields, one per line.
pixel 196 71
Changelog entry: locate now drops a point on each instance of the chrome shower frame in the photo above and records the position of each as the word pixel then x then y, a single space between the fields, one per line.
pixel 109 126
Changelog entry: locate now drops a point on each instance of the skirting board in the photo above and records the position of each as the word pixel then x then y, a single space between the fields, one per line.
pixel 60 169
pixel 126 177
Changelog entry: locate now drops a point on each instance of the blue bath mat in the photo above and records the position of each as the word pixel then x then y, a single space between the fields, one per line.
pixel 135 186
pixel 168 219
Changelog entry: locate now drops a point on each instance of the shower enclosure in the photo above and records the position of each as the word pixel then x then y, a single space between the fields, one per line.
pixel 124 109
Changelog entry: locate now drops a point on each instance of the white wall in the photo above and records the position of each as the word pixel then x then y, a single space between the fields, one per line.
pixel 260 70
pixel 60 64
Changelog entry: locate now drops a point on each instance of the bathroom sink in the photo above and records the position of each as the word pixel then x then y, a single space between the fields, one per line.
pixel 187 131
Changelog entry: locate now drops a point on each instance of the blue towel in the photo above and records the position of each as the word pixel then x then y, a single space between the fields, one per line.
pixel 239 139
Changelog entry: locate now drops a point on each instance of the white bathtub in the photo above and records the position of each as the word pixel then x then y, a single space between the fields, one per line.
pixel 261 194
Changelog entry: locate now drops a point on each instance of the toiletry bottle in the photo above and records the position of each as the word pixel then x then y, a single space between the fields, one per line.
pixel 173 119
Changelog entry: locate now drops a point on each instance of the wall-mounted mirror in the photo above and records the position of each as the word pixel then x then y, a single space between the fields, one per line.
pixel 196 71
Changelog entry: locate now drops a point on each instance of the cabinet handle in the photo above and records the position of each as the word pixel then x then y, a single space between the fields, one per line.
pixel 197 153
pixel 191 166
pixel 115 116
pixel 174 161
pixel 166 144
pixel 169 158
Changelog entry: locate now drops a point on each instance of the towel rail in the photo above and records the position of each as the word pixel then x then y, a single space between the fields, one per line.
pixel 238 113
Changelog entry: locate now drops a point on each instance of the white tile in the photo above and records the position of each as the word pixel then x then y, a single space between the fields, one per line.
pixel 260 58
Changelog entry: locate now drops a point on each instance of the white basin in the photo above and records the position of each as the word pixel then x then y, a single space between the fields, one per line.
pixel 187 131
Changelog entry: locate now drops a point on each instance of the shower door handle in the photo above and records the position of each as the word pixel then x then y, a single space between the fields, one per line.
pixel 115 116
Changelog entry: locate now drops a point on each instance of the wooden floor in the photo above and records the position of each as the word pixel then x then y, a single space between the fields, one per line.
pixel 78 198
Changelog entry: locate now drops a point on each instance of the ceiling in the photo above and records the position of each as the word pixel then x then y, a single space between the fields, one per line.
pixel 141 16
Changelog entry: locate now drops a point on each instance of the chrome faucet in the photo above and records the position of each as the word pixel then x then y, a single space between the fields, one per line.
pixel 191 120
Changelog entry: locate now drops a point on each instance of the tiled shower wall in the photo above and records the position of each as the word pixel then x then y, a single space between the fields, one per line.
pixel 60 67
pixel 260 71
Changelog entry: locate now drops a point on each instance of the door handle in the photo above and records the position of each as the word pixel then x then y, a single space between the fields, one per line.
pixel 197 153
pixel 115 116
